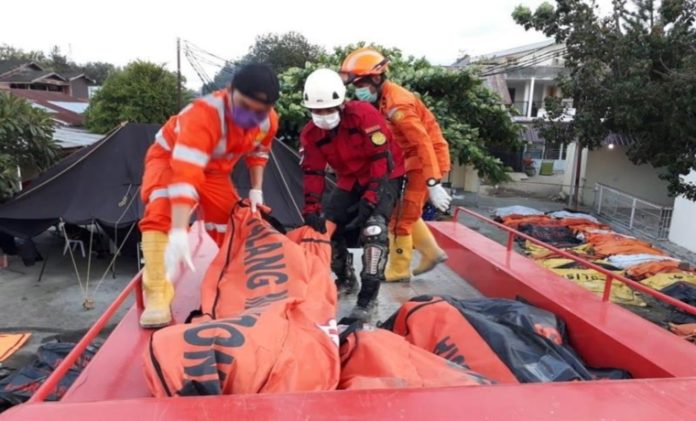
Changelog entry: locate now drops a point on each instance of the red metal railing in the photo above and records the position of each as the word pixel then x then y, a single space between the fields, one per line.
pixel 610 276
pixel 52 381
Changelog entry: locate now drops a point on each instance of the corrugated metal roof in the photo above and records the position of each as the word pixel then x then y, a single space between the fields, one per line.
pixel 68 138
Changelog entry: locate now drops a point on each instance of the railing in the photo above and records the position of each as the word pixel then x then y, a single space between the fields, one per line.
pixel 52 381
pixel 633 213
pixel 610 276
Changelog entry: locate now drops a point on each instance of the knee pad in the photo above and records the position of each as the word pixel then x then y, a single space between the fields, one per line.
pixel 375 246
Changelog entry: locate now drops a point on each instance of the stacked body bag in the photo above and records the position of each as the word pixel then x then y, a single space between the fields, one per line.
pixel 267 323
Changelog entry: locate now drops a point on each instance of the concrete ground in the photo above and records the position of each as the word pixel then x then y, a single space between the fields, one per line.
pixel 52 308
pixel 544 187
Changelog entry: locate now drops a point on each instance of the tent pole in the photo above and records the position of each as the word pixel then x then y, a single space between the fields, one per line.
pixel 43 268
pixel 89 256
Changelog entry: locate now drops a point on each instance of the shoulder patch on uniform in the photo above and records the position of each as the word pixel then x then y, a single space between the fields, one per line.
pixel 378 138
pixel 372 129
pixel 395 114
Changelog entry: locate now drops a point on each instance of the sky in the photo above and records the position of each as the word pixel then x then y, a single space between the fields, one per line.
pixel 125 30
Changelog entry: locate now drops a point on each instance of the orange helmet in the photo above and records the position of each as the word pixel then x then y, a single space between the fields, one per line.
pixel 363 62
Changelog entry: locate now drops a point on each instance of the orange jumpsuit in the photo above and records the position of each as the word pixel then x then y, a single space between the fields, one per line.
pixel 191 160
pixel 426 152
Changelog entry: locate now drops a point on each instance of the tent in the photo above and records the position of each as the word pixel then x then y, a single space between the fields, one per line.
pixel 101 184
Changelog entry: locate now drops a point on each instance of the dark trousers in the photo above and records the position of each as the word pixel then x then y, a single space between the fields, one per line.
pixel 341 209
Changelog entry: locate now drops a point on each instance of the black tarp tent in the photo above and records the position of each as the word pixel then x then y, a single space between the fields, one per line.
pixel 101 184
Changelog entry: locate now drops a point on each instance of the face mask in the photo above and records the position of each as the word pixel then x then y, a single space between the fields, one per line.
pixel 364 94
pixel 246 118
pixel 327 121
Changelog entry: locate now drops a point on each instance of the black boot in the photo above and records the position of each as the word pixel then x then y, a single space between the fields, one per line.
pixel 347 281
pixel 367 299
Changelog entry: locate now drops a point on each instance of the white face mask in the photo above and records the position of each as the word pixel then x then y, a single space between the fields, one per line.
pixel 326 121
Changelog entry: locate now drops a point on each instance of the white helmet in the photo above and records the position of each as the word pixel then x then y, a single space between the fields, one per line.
pixel 323 89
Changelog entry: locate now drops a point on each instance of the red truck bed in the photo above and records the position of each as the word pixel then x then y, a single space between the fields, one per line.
pixel 605 335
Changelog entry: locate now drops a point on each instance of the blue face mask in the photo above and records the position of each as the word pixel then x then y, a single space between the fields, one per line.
pixel 364 94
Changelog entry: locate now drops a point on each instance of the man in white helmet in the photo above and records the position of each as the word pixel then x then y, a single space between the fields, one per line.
pixel 354 139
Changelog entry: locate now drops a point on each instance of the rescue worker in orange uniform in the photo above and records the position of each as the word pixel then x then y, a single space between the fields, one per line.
pixel 354 140
pixel 426 158
pixel 190 164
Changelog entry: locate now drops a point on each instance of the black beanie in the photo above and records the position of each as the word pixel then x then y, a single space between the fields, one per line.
pixel 257 81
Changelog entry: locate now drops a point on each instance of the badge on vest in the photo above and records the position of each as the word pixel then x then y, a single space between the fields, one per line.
pixel 378 138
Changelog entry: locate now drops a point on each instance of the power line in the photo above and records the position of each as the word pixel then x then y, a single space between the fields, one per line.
pixel 521 65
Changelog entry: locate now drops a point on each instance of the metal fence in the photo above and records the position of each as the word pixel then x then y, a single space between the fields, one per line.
pixel 635 214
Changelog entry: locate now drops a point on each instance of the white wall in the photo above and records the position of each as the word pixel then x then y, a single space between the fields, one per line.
pixel 612 167
pixel 683 228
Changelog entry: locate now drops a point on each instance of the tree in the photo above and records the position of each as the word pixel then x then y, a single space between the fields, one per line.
pixel 556 127
pixel 142 92
pixel 221 79
pixel 26 138
pixel 98 70
pixel 470 115
pixel 282 51
pixel 8 52
pixel 632 72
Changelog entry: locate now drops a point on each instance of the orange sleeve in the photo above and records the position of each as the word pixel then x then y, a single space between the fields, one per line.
pixel 259 156
pixel 441 147
pixel 197 133
pixel 415 141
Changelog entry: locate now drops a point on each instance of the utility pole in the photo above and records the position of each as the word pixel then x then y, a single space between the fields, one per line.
pixel 178 73
pixel 578 174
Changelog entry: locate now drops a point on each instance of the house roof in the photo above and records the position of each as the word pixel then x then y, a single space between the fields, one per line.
pixel 521 49
pixel 527 48
pixel 53 101
pixel 77 75
pixel 7 66
pixel 32 76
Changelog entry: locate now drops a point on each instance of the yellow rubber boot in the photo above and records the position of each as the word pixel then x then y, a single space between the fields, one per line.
pixel 424 242
pixel 399 264
pixel 157 289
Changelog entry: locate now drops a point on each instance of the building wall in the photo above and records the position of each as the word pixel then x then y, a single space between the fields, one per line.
pixel 464 177
pixel 79 89
pixel 612 167
pixel 683 228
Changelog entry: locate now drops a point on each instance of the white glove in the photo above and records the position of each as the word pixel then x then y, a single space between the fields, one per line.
pixel 256 198
pixel 439 197
pixel 178 251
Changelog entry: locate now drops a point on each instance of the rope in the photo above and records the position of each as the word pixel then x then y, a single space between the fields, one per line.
pixel 72 257
pixel 287 187
pixel 118 251
pixel 89 259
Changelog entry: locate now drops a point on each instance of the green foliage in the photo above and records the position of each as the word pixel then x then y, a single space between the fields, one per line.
pixel 26 138
pixel 633 72
pixel 282 51
pixel 142 92
pixel 470 115
pixel 556 127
